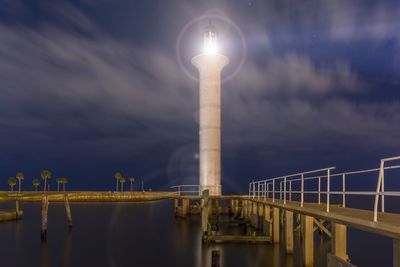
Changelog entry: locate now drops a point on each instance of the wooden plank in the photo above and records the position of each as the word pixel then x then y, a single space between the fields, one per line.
pixel 388 223
pixel 239 238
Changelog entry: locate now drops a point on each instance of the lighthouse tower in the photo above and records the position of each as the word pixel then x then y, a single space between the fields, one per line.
pixel 210 64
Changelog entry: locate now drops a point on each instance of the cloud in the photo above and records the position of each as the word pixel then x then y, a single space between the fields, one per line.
pixel 62 90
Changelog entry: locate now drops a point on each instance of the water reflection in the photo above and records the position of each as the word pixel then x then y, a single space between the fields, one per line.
pixel 44 255
pixel 135 234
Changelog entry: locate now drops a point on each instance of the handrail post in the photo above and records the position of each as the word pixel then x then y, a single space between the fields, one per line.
pixel 254 190
pixel 273 190
pixel 290 190
pixel 344 191
pixel 280 190
pixel 258 190
pixel 378 186
pixel 383 190
pixel 302 190
pixel 284 190
pixel 319 190
pixel 328 189
pixel 249 189
pixel 267 190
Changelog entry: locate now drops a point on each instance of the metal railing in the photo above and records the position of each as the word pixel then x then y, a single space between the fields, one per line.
pixel 185 189
pixel 267 189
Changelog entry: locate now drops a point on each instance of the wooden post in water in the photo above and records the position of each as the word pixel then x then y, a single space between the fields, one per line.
pixel 289 232
pixel 215 258
pixel 185 207
pixel 176 205
pixel 45 208
pixel 205 212
pixel 275 225
pixel 267 218
pixel 308 240
pixel 17 212
pixel 68 210
pixel 339 241
pixel 396 252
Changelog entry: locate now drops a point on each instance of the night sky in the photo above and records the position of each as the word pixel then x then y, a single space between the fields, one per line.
pixel 88 88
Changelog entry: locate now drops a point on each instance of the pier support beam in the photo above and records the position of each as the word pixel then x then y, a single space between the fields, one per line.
pixel 275 225
pixel 267 218
pixel 308 240
pixel 176 205
pixel 339 241
pixel 185 207
pixel 396 252
pixel 205 212
pixel 289 232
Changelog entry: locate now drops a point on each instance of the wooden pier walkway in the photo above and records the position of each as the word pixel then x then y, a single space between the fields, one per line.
pixel 388 224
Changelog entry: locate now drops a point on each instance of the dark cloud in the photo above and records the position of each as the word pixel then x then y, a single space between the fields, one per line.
pixel 76 92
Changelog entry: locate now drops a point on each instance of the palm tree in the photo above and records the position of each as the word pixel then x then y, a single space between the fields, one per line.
pixel 19 176
pixel 45 174
pixel 59 181
pixel 36 183
pixel 131 179
pixel 117 176
pixel 64 182
pixel 122 181
pixel 11 182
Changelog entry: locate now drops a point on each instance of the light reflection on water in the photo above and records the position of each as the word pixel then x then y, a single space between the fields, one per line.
pixel 144 234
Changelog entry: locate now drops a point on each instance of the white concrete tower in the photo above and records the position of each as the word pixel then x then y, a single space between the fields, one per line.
pixel 210 64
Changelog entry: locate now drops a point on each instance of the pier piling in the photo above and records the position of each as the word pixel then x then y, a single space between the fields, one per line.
pixel 205 212
pixel 339 241
pixel 308 240
pixel 68 210
pixel 275 225
pixel 44 213
pixel 396 252
pixel 289 232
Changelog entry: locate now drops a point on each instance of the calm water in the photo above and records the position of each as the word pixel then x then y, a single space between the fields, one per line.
pixel 148 234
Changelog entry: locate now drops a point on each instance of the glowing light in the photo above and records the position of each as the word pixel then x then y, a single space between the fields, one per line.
pixel 210 40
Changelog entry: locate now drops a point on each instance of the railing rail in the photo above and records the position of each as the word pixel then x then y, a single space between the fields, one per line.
pixel 190 189
pixel 262 188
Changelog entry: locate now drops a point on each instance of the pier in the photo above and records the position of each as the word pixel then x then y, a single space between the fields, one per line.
pixel 272 211
pixel 302 203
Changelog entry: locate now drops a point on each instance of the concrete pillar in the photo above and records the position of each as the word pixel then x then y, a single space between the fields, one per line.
pixel 275 225
pixel 308 240
pixel 210 67
pixel 339 241
pixel 289 232
pixel 396 252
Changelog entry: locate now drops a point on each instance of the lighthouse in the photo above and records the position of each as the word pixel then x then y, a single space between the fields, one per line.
pixel 210 64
